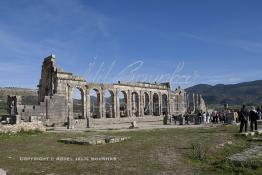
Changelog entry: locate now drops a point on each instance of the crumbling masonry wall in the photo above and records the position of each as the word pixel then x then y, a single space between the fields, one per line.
pixel 55 96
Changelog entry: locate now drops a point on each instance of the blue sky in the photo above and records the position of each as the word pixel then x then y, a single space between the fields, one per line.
pixel 185 42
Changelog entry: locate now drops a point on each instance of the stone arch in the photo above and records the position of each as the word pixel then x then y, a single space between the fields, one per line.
pixel 146 105
pixel 95 100
pixel 77 95
pixel 164 104
pixel 122 96
pixel 135 103
pixel 156 108
pixel 109 100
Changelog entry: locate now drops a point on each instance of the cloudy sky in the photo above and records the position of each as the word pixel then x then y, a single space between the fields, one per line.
pixel 185 42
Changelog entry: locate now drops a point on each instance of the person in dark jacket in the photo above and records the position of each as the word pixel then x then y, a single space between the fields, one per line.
pixel 199 116
pixel 253 115
pixel 243 118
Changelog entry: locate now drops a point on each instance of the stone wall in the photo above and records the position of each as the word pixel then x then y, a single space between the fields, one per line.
pixel 141 100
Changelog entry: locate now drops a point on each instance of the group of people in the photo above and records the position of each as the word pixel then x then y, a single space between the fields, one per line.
pixel 244 115
pixel 206 117
pixel 214 117
pixel 227 116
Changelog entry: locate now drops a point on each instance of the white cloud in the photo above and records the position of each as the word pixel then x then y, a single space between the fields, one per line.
pixel 250 46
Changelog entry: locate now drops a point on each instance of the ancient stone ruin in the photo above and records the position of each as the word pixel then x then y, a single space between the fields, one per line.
pixel 127 101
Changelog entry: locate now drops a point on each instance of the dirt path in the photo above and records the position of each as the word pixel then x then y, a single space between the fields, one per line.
pixel 141 126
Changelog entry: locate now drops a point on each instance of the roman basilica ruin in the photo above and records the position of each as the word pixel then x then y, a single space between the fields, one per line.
pixel 125 101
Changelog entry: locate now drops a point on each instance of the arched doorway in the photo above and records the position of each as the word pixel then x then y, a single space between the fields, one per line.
pixel 78 103
pixel 164 104
pixel 146 104
pixel 109 104
pixel 135 104
pixel 122 96
pixel 95 103
pixel 156 104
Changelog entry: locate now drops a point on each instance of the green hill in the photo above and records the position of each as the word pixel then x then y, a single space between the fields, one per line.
pixel 249 93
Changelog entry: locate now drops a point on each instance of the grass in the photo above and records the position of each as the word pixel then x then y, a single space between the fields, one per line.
pixel 158 151
pixel 198 152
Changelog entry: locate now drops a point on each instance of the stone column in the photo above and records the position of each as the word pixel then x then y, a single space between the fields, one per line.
pixel 69 107
pixel 139 104
pixel 88 110
pixel 83 98
pixel 168 104
pixel 70 103
pixel 100 103
pixel 129 104
pixel 116 104
pixel 151 103
pixel 197 100
pixel 142 103
pixel 88 114
pixel 160 103
pixel 103 107
pixel 187 100
pixel 194 103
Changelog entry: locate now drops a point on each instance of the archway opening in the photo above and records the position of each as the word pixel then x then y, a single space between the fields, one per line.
pixel 164 104
pixel 123 103
pixel 146 104
pixel 135 104
pixel 109 104
pixel 95 103
pixel 155 104
pixel 78 103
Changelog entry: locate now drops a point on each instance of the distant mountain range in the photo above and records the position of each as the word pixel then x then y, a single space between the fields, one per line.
pixel 249 93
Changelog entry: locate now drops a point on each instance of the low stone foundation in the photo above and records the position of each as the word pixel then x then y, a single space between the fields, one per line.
pixel 103 121
pixel 95 140
pixel 23 127
pixel 250 154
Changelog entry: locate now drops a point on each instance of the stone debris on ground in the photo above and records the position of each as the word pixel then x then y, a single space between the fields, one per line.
pixel 255 139
pixel 23 126
pixel 258 132
pixel 133 125
pixel 221 145
pixel 254 153
pixel 2 172
pixel 95 140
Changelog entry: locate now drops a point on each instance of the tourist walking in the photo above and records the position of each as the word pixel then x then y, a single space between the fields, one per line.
pixel 253 115
pixel 243 118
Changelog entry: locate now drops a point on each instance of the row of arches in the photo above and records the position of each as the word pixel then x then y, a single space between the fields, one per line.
pixel 133 104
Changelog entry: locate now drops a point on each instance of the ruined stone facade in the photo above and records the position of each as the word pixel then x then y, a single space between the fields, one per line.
pixel 140 101
pixel 199 104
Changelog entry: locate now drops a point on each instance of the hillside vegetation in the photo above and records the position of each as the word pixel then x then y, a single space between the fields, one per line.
pixel 249 93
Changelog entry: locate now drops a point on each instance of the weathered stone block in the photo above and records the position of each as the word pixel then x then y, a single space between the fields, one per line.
pixel 258 132
pixel 2 172
pixel 245 134
pixel 252 133
pixel 133 125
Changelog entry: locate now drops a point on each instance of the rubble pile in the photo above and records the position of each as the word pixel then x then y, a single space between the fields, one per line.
pixel 23 127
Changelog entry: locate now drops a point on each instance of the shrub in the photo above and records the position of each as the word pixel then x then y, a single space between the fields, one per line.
pixel 198 152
